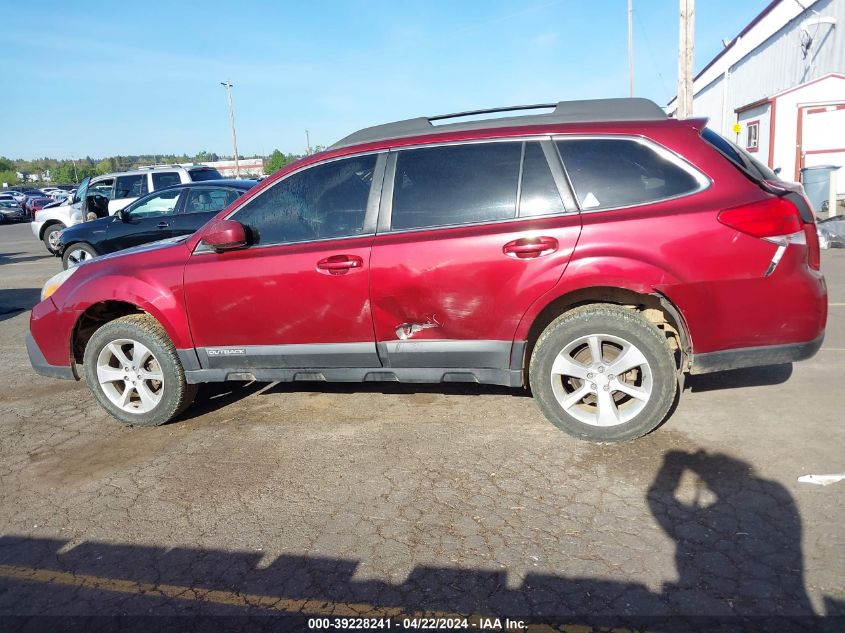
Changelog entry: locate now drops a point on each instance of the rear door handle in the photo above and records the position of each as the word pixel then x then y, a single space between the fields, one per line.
pixel 339 264
pixel 530 247
pixel 162 225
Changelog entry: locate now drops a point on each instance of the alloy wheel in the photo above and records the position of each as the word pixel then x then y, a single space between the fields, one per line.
pixel 130 376
pixel 602 380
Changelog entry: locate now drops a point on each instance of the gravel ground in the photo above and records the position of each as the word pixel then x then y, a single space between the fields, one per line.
pixel 383 500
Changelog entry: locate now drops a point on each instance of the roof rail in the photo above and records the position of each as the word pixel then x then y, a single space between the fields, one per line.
pixel 584 111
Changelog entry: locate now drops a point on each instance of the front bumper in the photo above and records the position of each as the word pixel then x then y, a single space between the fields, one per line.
pixel 41 366
pixel 36 225
pixel 755 356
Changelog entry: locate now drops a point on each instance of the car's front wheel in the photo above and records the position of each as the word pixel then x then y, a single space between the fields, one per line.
pixel 604 373
pixel 75 254
pixel 51 236
pixel 133 371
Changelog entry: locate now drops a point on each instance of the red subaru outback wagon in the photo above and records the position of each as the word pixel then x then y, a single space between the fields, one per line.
pixel 596 253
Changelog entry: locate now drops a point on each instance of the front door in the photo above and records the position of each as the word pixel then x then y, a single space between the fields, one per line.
pixel 144 221
pixel 470 236
pixel 298 296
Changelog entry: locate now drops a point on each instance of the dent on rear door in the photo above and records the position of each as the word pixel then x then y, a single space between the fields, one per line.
pixel 453 296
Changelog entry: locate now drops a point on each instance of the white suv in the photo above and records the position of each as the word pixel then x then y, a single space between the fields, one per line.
pixel 109 193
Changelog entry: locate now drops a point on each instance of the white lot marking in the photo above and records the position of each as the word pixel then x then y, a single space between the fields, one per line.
pixel 821 480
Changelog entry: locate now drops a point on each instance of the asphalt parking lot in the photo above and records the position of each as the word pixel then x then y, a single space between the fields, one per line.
pixel 384 500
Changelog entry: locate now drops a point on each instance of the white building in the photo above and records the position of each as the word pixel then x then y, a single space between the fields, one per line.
pixel 248 167
pixel 782 79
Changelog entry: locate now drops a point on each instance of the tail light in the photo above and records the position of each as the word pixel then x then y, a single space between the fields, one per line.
pixel 775 220
pixel 771 218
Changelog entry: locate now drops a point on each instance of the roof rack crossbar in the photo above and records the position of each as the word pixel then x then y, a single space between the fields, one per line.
pixel 457 115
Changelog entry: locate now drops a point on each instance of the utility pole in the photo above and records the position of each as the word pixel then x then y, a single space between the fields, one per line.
pixel 686 45
pixel 630 48
pixel 229 85
pixel 307 143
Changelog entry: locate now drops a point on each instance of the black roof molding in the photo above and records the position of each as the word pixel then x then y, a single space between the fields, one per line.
pixel 585 111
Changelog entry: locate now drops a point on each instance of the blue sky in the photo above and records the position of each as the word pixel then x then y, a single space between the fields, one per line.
pixel 105 78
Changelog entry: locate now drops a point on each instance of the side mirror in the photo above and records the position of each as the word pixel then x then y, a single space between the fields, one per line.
pixel 123 215
pixel 777 171
pixel 225 235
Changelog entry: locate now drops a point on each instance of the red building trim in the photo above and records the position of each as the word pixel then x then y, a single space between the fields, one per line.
pixel 772 121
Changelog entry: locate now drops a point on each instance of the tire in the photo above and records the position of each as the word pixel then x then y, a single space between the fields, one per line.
pixel 50 234
pixel 138 400
pixel 587 399
pixel 75 254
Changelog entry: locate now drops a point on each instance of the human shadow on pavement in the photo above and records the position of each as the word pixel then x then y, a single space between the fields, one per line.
pixel 738 555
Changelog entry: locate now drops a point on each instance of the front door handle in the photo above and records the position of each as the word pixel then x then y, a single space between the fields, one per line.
pixel 162 225
pixel 530 247
pixel 339 264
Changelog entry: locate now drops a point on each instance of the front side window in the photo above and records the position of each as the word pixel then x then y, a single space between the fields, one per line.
pixel 133 186
pixel 322 202
pixel 208 200
pixel 101 188
pixel 162 204
pixel 457 184
pixel 164 179
pixel 608 173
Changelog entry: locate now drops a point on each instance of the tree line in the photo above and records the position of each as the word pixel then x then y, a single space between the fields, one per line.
pixel 74 171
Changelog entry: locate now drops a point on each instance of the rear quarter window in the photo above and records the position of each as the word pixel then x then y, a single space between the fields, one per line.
pixel 609 173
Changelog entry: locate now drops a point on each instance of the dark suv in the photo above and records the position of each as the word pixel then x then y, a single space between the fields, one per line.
pixel 596 254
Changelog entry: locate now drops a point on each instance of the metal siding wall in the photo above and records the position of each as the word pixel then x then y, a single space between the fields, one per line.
pixel 778 64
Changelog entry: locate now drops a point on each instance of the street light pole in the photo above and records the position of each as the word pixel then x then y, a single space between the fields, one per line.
pixel 229 85
pixel 630 48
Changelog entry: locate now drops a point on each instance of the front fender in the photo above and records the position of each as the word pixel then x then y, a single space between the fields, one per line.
pixel 153 285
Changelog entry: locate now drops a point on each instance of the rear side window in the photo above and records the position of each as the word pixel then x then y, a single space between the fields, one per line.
pixel 208 200
pixel 322 202
pixel 133 186
pixel 458 184
pixel 608 173
pixel 165 179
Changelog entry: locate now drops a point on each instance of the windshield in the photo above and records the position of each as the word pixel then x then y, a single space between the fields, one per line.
pixel 742 159
pixel 207 173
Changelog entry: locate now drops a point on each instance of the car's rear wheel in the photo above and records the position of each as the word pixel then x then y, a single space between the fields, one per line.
pixel 603 373
pixel 75 254
pixel 133 371
pixel 51 236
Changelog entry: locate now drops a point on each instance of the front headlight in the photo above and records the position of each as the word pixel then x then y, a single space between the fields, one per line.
pixel 54 282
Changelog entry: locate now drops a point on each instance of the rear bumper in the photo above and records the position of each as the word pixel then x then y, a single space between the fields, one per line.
pixel 755 356
pixel 41 366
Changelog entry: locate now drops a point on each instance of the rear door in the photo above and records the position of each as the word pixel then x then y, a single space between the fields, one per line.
pixel 470 234
pixel 200 205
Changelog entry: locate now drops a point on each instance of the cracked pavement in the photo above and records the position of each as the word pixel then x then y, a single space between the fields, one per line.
pixel 443 499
